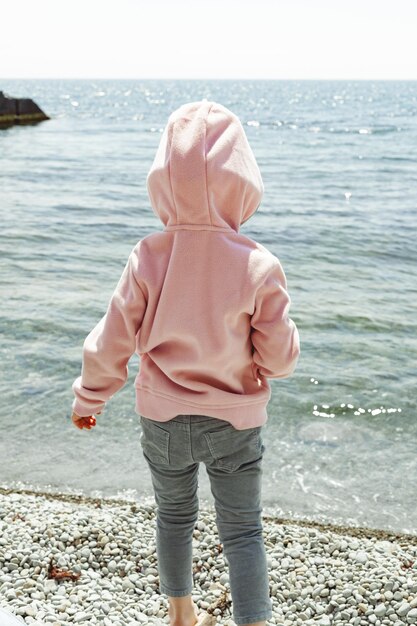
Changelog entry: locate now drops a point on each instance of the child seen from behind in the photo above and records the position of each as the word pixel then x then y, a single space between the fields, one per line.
pixel 207 311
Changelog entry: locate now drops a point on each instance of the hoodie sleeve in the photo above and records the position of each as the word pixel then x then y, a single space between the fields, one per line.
pixel 275 338
pixel 109 346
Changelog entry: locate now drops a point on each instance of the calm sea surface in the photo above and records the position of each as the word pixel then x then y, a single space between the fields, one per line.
pixel 339 163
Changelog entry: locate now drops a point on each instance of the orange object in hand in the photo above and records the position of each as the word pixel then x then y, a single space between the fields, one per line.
pixel 84 422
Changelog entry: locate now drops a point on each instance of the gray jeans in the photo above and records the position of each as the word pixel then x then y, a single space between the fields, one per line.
pixel 173 451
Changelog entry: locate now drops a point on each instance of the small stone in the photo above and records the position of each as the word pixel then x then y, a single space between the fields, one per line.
pixel 127 584
pixel 294 554
pixel 134 578
pixel 106 595
pixel 380 610
pixel 81 616
pixel 49 585
pixel 29 610
pixel 361 556
pixel 128 566
pixel 112 566
pixel 5 578
pixel 403 609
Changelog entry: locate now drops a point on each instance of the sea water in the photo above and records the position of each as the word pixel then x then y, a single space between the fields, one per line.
pixel 339 164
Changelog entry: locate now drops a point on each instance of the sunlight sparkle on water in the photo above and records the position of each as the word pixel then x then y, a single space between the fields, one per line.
pixel 351 407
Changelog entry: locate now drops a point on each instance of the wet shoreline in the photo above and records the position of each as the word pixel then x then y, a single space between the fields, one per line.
pixel 354 531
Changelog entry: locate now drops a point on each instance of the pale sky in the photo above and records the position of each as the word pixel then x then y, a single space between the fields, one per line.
pixel 278 39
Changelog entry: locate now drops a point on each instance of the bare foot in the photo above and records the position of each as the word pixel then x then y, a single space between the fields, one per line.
pixel 189 618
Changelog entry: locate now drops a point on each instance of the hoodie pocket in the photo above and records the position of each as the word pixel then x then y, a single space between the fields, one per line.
pixel 232 448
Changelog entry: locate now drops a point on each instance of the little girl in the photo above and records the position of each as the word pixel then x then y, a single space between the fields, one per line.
pixel 206 309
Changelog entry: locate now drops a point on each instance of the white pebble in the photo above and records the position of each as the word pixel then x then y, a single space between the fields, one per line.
pixel 361 556
pixel 380 610
pixel 82 616
pixel 403 609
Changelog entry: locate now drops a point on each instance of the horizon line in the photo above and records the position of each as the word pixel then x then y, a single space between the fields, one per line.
pixel 201 79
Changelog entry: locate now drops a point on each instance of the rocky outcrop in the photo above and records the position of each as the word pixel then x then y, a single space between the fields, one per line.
pixel 19 111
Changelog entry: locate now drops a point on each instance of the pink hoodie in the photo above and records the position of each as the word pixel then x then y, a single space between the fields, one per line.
pixel 204 307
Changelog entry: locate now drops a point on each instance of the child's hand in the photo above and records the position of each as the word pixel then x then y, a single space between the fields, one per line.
pixel 84 422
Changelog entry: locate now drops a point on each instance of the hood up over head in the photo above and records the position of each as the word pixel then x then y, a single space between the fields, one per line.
pixel 204 172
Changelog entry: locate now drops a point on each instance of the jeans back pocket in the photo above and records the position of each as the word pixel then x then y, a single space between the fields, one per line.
pixel 231 448
pixel 154 441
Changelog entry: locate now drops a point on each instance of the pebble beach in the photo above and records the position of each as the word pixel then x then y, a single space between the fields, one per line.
pixel 70 559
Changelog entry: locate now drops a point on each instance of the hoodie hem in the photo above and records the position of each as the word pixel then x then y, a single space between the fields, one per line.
pixel 162 408
pixel 224 405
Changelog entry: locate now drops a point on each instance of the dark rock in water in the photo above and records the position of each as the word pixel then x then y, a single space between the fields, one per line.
pixel 19 111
